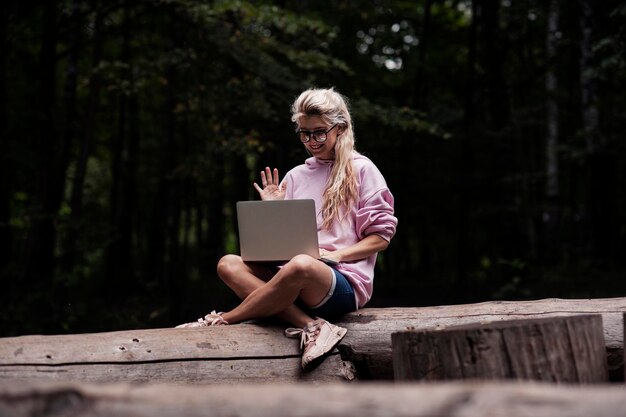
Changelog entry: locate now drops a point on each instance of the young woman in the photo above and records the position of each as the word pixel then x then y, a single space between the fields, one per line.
pixel 355 221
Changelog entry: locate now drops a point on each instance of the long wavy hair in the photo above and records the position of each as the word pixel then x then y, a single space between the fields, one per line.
pixel 341 190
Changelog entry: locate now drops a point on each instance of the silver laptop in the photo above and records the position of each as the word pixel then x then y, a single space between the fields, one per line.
pixel 277 230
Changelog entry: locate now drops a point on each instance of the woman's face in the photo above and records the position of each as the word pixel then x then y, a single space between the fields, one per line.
pixel 315 124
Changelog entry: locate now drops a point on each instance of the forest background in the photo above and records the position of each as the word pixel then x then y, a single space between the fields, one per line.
pixel 129 129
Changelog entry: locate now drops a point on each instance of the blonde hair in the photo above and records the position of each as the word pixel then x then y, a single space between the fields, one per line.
pixel 341 190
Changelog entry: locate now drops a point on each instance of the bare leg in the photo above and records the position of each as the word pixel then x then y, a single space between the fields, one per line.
pixel 244 278
pixel 302 277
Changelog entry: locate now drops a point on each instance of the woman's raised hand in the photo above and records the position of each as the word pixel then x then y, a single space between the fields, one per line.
pixel 272 189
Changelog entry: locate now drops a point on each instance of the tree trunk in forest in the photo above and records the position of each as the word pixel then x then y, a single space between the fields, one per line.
pixel 127 223
pixel 119 254
pixel 39 256
pixel 188 187
pixel 160 215
pixel 557 349
pixel 599 204
pixel 174 276
pixel 175 270
pixel 419 93
pixel 551 212
pixel 89 128
pixel 494 57
pixel 5 170
pixel 164 243
pixel 588 89
pixel 552 108
pixel 464 174
pixel 215 212
pixel 69 99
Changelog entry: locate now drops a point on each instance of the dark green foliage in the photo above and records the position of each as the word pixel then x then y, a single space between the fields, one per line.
pixel 129 129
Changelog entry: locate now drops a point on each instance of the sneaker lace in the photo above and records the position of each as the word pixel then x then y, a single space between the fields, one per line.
pixel 307 335
pixel 212 319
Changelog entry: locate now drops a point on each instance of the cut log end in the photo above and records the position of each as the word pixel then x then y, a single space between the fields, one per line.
pixel 556 349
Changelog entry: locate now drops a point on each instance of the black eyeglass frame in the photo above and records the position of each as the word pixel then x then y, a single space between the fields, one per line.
pixel 314 134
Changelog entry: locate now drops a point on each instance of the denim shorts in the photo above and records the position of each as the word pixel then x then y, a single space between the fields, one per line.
pixel 340 300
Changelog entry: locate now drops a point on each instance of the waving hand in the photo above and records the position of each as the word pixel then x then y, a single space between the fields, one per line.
pixel 272 189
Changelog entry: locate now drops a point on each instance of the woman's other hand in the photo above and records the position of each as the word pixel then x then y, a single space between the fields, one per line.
pixel 272 189
pixel 330 255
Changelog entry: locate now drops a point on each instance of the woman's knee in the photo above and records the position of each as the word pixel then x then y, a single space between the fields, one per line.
pixel 300 266
pixel 229 266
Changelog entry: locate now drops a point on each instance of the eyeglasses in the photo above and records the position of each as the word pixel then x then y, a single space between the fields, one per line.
pixel 318 135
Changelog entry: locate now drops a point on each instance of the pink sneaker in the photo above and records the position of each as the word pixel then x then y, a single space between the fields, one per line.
pixel 211 319
pixel 316 339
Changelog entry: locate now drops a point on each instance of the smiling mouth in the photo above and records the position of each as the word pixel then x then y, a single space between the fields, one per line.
pixel 316 146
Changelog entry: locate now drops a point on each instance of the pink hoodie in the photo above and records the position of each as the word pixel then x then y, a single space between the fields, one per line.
pixel 373 213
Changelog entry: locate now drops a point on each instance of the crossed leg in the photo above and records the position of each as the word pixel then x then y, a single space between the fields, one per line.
pixel 265 295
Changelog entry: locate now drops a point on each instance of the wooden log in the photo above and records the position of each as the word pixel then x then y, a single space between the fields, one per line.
pixel 368 342
pixel 47 399
pixel 246 351
pixel 557 349
pixel 221 354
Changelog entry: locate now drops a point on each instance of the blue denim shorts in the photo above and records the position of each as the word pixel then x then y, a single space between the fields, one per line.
pixel 340 300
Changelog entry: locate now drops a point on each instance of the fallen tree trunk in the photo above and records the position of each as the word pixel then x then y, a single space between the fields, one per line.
pixel 368 342
pixel 334 399
pixel 260 352
pixel 220 354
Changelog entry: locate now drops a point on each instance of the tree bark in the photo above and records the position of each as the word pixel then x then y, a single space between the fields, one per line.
pixel 214 355
pixel 557 349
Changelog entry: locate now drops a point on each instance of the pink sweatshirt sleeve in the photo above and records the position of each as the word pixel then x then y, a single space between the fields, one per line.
pixel 376 216
pixel 375 211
